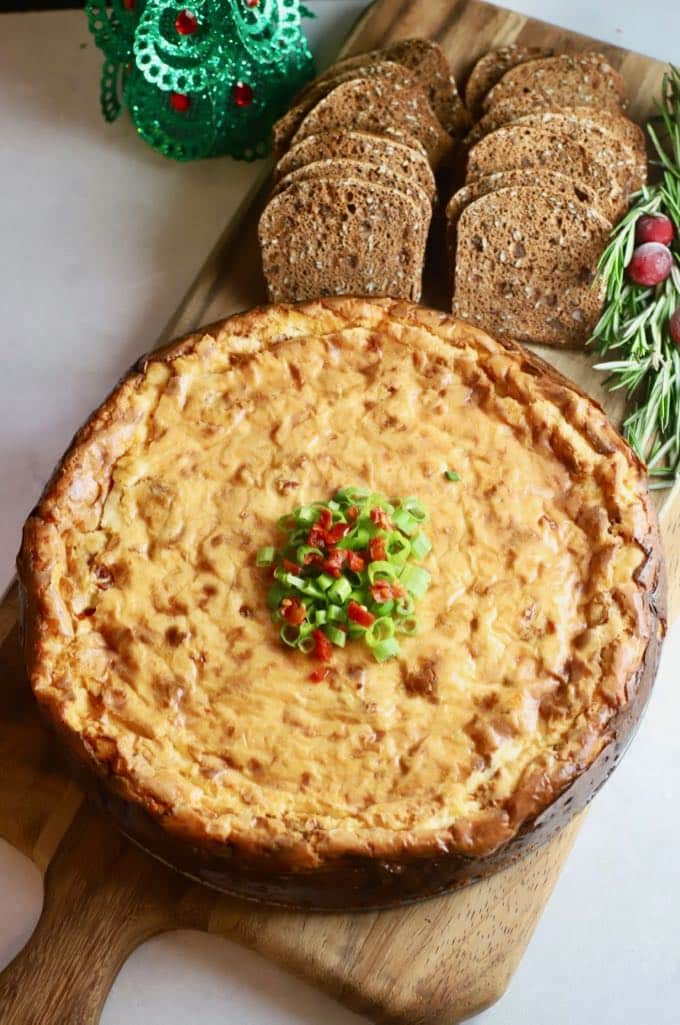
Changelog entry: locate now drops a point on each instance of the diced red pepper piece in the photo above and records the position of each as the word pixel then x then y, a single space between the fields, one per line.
pixel 355 562
pixel 359 614
pixel 336 532
pixel 325 519
pixel 316 537
pixel 293 611
pixel 352 513
pixel 381 591
pixel 292 567
pixel 319 674
pixel 334 562
pixel 380 518
pixel 376 549
pixel 323 648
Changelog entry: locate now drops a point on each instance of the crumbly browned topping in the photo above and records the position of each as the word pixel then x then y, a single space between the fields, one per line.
pixel 150 642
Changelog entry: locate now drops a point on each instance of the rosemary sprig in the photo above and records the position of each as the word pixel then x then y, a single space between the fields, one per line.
pixel 633 328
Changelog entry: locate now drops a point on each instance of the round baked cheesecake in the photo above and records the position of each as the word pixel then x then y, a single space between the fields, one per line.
pixel 336 773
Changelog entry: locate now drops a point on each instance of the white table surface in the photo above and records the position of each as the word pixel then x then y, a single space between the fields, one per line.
pixel 100 239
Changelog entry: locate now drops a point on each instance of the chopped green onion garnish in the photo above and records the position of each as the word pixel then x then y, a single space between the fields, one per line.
pixel 265 556
pixel 403 519
pixel 340 591
pixel 420 545
pixel 451 475
pixel 335 634
pixel 324 581
pixel 386 649
pixel 415 580
pixel 337 561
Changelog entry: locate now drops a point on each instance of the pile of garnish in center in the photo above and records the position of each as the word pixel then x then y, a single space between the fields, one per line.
pixel 347 570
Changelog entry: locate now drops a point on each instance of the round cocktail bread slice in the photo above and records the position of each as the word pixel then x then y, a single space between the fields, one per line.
pixel 393 74
pixel 525 266
pixel 426 59
pixel 343 237
pixel 567 80
pixel 373 104
pixel 491 67
pixel 363 170
pixel 586 153
pixel 407 158
pixel 525 111
pixel 150 648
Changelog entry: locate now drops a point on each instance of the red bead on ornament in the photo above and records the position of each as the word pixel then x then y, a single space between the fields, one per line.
pixel 186 23
pixel 129 5
pixel 252 3
pixel 180 102
pixel 243 94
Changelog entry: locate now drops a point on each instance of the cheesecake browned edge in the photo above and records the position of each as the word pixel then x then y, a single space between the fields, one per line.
pixel 349 881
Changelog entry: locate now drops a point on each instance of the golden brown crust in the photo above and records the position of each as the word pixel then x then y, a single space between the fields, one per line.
pixel 258 861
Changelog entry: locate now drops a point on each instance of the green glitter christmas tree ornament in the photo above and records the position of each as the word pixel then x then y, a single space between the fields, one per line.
pixel 205 79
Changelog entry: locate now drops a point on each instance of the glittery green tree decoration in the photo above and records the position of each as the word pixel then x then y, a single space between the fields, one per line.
pixel 205 79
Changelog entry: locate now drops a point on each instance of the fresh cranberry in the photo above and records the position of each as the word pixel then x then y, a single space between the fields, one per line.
pixel 674 326
pixel 651 264
pixel 654 228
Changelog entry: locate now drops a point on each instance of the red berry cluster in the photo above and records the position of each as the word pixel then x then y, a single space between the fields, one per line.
pixel 652 259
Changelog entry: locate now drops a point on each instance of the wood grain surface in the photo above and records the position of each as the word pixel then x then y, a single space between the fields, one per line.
pixel 436 962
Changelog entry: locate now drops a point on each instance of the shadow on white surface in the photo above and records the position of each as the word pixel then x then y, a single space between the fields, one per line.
pixel 22 901
pixel 169 977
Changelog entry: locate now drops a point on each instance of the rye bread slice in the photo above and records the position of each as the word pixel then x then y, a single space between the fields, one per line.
pixel 426 59
pixel 525 266
pixel 408 157
pixel 567 80
pixel 363 170
pixel 370 104
pixel 342 237
pixel 490 68
pixel 287 125
pixel 524 110
pixel 585 153
pixel 575 194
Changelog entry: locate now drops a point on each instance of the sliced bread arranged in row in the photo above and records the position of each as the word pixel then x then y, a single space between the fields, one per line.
pixel 342 236
pixel 551 164
pixel 354 184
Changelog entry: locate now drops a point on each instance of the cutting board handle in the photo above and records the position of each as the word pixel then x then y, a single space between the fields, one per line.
pixel 103 898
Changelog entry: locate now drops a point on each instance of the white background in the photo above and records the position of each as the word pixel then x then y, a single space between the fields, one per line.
pixel 100 239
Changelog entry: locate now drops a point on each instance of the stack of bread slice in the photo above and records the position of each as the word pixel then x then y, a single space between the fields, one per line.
pixel 354 184
pixel 551 163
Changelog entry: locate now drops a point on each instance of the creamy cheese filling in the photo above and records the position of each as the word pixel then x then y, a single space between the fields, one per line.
pixel 167 662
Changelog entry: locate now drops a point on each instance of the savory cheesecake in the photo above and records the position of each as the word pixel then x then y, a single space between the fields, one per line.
pixel 353 729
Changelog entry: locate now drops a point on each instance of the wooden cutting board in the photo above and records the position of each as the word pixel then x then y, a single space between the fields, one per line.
pixel 437 962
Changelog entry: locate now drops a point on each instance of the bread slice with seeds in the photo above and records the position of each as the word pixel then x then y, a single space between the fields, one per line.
pixel 371 104
pixel 567 80
pixel 426 59
pixel 577 194
pixel 287 125
pixel 490 68
pixel 525 266
pixel 342 237
pixel 363 170
pixel 524 110
pixel 586 153
pixel 407 157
